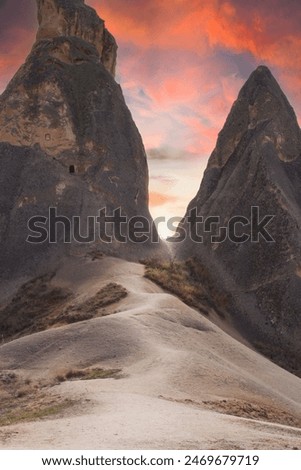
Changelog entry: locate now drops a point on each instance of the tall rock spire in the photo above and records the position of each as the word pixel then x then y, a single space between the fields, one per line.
pixel 256 163
pixel 72 18
pixel 67 138
pixel 260 101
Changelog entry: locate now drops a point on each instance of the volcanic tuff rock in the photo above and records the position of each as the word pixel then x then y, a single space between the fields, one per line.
pixel 57 99
pixel 67 138
pixel 65 18
pixel 257 162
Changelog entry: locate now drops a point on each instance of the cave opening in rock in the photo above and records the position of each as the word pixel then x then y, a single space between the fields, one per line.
pixel 71 169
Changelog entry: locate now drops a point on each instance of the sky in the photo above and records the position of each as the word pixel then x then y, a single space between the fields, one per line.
pixel 181 64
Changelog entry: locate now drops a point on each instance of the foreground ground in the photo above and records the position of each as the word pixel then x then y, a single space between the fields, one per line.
pixel 174 380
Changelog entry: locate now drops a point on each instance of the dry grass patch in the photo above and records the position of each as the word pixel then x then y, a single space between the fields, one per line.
pixel 262 412
pixel 33 412
pixel 38 305
pixel 94 306
pixel 31 308
pixel 175 278
pixel 89 374
pixel 243 409
pixel 22 400
pixel 191 282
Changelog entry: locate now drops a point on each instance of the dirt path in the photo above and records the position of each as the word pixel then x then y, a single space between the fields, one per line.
pixel 184 384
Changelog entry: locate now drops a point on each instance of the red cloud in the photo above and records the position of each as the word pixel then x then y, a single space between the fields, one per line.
pixel 175 51
pixel 13 52
pixel 179 61
pixel 200 24
pixel 176 47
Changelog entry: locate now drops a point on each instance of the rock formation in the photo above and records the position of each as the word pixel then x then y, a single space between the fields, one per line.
pixel 256 163
pixel 67 138
pixel 72 18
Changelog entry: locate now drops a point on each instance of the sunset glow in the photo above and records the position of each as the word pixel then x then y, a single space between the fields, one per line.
pixel 181 64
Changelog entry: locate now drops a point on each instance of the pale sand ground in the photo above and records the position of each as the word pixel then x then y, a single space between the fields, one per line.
pixel 172 359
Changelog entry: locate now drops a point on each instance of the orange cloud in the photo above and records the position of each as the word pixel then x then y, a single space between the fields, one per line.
pixel 265 31
pixel 174 52
pixel 184 56
pixel 191 59
pixel 181 63
pixel 159 199
pixel 12 56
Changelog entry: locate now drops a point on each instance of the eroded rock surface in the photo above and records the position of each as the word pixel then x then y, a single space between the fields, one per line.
pixel 67 138
pixel 257 162
pixel 72 18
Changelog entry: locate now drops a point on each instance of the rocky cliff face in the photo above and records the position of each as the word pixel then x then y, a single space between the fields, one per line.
pixel 56 99
pixel 67 138
pixel 256 163
pixel 72 18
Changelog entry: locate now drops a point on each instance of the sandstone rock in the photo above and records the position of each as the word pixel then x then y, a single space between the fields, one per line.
pixel 257 162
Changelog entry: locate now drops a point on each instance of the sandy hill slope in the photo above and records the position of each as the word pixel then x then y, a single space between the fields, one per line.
pixel 182 382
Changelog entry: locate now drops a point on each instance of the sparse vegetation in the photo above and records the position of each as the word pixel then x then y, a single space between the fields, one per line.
pixel 94 306
pixel 191 282
pixel 39 305
pixel 194 285
pixel 21 400
pixel 21 415
pixel 263 412
pixel 32 307
pixel 89 374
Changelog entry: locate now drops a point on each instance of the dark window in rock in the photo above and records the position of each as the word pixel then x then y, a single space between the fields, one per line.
pixel 71 169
